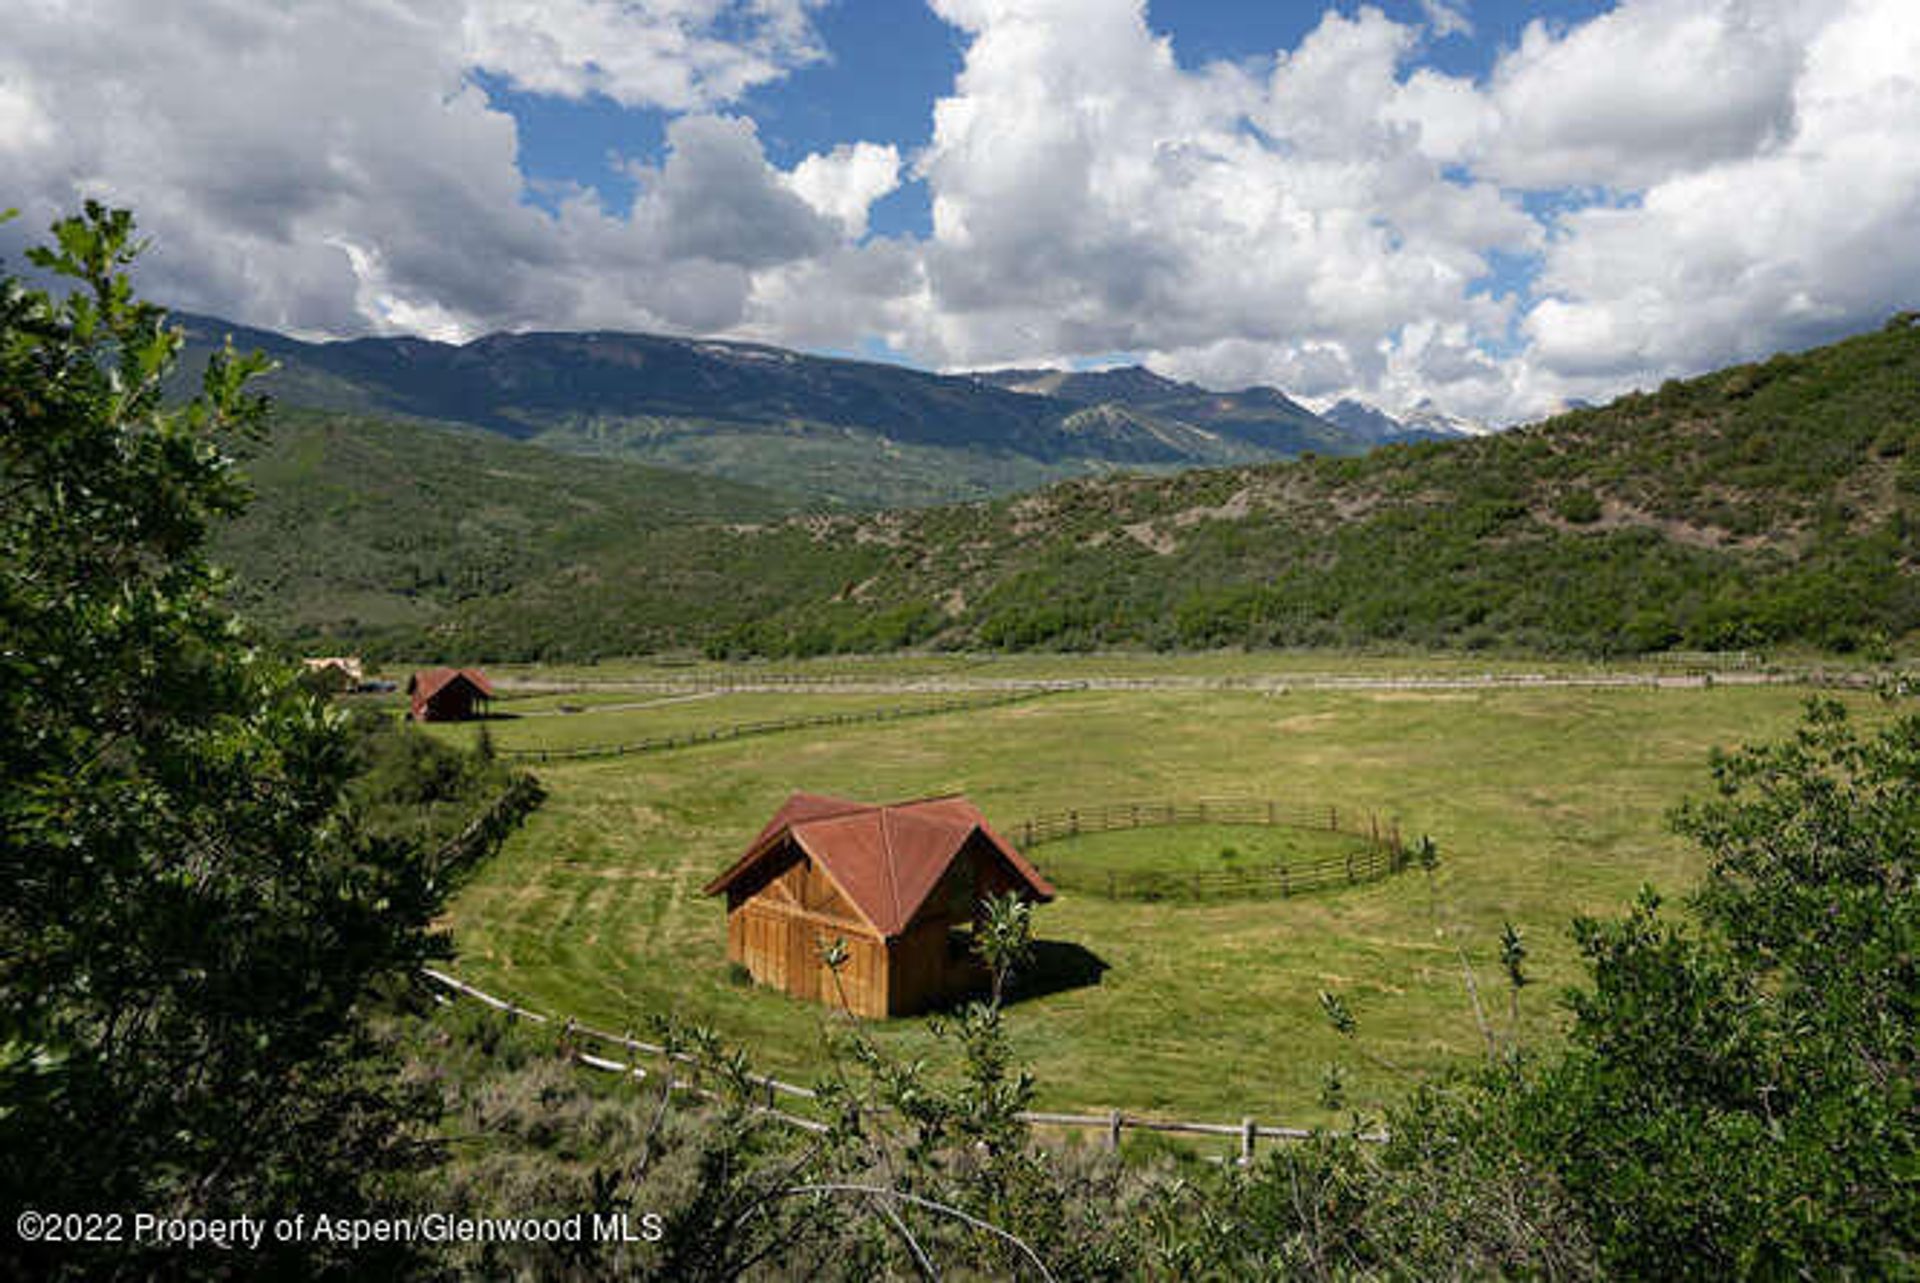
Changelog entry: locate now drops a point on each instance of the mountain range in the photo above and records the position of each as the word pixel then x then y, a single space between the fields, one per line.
pixel 840 432
pixel 1425 422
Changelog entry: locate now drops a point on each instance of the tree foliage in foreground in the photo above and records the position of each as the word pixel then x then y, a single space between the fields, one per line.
pixel 188 913
pixel 1739 1099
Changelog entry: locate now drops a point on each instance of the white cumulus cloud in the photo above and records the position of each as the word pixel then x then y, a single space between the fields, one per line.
pixel 1652 89
pixel 845 182
pixel 343 172
pixel 1803 238
pixel 1092 195
pixel 677 54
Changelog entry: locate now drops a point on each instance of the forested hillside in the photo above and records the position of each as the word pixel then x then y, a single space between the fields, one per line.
pixel 1764 504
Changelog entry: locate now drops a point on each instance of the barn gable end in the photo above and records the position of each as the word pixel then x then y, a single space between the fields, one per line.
pixel 447 694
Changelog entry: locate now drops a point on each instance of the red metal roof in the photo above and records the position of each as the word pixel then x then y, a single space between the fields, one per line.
pixel 888 859
pixel 428 681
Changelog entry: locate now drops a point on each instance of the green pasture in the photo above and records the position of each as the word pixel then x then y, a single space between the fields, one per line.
pixel 1545 803
pixel 546 722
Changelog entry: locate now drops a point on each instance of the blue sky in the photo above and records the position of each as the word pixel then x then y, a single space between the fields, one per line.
pixel 890 60
pixel 1491 205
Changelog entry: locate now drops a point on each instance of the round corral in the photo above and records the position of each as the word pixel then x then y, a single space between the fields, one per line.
pixel 1230 848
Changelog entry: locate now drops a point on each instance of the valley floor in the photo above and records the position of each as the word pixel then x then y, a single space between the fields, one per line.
pixel 1547 800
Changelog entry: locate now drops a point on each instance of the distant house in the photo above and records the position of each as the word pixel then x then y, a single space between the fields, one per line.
pixel 448 694
pixel 901 885
pixel 335 672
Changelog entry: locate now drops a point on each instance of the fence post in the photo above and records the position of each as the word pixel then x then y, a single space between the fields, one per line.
pixel 1333 819
pixel 1112 889
pixel 1247 1134
pixel 1269 812
pixel 1114 1124
pixel 1073 822
pixel 1349 866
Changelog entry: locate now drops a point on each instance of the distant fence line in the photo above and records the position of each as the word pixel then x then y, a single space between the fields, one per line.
pixel 1664 672
pixel 1111 1124
pixel 1379 851
pixel 748 683
pixel 741 730
pixel 1723 660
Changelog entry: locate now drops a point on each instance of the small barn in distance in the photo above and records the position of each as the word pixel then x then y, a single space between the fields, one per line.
pixel 448 694
pixel 902 885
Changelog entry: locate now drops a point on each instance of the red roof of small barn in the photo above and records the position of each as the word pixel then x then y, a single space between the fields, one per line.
pixel 888 859
pixel 428 682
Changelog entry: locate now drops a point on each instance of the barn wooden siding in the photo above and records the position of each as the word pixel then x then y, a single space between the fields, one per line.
pixel 779 925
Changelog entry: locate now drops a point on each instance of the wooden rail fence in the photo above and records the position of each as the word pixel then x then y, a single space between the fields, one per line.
pixel 1378 849
pixel 741 730
pixel 1111 1125
pixel 520 796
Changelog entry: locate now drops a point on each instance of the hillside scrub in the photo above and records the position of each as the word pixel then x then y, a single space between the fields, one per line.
pixel 364 527
pixel 1752 507
pixel 1772 504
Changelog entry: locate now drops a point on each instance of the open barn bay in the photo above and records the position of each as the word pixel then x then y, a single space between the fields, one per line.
pixel 1546 803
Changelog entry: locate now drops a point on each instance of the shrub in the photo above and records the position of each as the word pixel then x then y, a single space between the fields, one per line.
pixel 1580 507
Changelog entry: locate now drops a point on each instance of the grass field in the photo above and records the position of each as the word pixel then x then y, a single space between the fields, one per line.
pixel 1546 804
pixel 548 722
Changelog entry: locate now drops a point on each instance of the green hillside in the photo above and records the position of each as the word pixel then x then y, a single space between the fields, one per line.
pixel 1766 504
pixel 362 527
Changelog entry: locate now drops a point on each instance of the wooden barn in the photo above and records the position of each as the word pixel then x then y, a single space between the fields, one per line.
pixel 901 885
pixel 448 694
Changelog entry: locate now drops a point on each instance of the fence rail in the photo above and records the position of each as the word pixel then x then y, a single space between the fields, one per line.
pixel 741 730
pixel 1112 1124
pixel 1378 851
pixel 521 795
